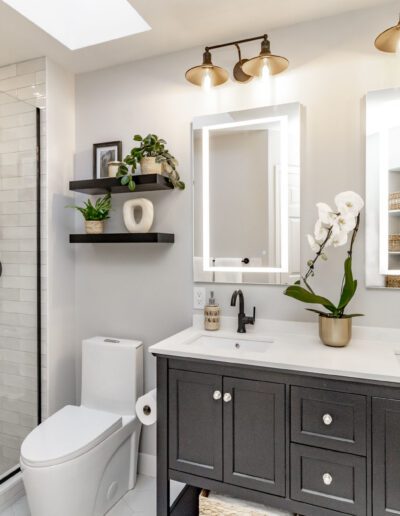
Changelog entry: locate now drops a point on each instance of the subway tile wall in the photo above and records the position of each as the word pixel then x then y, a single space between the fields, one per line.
pixel 22 89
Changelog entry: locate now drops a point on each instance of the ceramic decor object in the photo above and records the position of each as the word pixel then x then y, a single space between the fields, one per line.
pixel 145 221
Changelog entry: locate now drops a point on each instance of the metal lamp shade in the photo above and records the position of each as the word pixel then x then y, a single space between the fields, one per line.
pixel 216 75
pixel 389 40
pixel 276 64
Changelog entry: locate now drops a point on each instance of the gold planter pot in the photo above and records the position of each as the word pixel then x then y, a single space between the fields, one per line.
pixel 335 332
pixel 149 165
pixel 94 227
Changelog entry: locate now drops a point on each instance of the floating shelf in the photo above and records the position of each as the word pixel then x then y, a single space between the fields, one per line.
pixel 144 183
pixel 115 238
pixel 394 212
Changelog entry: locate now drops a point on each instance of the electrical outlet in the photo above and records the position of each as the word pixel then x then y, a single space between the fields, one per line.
pixel 199 298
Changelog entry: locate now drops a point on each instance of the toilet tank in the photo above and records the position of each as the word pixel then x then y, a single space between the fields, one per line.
pixel 112 374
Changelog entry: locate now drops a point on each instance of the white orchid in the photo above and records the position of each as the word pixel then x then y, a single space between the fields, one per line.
pixel 340 238
pixel 332 228
pixel 320 232
pixel 313 244
pixel 325 214
pixel 349 203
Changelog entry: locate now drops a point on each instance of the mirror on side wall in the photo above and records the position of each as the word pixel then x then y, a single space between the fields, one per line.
pixel 383 189
pixel 246 171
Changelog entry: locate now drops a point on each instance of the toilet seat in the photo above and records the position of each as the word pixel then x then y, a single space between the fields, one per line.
pixel 67 434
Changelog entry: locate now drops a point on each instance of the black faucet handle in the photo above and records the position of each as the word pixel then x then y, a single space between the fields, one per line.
pixel 254 315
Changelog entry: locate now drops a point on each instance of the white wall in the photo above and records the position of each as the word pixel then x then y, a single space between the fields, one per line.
pixel 62 345
pixel 145 291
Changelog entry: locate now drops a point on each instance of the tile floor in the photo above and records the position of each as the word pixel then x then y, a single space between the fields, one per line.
pixel 141 501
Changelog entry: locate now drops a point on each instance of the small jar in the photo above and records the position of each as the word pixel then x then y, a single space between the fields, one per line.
pixel 113 167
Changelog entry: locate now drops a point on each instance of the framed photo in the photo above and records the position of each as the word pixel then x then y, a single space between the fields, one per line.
pixel 103 153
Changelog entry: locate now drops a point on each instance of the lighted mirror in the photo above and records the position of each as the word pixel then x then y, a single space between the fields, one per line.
pixel 383 189
pixel 246 171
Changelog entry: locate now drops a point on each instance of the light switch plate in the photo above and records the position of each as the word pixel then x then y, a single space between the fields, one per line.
pixel 199 298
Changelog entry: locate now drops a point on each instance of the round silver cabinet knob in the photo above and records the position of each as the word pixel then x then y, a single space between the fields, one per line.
pixel 217 395
pixel 327 419
pixel 327 478
pixel 227 397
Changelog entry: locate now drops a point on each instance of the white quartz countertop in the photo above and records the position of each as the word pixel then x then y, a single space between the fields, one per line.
pixel 373 353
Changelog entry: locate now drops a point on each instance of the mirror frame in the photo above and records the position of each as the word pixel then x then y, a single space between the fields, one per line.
pixel 244 118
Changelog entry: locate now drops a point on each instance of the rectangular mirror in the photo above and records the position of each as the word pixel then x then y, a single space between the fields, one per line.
pixel 246 171
pixel 383 189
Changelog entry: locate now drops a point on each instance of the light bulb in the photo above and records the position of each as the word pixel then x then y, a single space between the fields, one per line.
pixel 265 71
pixel 206 83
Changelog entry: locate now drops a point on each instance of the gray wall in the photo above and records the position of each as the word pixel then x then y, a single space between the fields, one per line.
pixel 146 291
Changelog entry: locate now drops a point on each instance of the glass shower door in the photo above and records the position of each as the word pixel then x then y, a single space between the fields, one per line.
pixel 20 277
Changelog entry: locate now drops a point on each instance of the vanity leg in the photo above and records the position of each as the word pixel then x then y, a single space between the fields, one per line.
pixel 162 438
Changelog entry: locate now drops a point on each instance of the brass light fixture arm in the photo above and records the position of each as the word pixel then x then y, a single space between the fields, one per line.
pixel 238 73
pixel 238 42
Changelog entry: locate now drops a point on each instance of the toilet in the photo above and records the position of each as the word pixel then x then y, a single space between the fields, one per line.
pixel 83 459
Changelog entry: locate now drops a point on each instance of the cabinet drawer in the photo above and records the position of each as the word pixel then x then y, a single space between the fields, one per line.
pixel 328 419
pixel 328 479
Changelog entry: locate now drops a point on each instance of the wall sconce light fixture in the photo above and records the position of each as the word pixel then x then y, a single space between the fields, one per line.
pixel 389 40
pixel 207 74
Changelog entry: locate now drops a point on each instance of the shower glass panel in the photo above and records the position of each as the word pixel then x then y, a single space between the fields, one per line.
pixel 20 277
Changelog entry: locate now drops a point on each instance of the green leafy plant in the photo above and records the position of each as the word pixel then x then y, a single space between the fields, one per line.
pixel 98 211
pixel 332 228
pixel 149 146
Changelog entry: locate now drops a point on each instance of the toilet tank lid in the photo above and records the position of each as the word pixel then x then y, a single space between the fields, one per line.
pixel 67 434
pixel 114 341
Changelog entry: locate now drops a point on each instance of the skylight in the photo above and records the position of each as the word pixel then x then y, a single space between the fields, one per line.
pixel 82 23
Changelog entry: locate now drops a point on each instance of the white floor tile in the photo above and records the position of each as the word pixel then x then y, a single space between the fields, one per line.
pixel 121 509
pixel 141 501
pixel 21 508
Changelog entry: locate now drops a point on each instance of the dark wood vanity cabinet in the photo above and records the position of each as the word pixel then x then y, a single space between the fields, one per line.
pixel 386 456
pixel 311 444
pixel 224 429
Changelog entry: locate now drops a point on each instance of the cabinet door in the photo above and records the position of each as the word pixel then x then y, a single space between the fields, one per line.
pixel 386 456
pixel 195 423
pixel 254 435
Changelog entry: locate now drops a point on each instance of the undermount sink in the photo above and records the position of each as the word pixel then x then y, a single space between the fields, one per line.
pixel 230 345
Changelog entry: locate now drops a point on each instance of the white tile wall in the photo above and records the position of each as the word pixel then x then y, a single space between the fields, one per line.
pixel 22 87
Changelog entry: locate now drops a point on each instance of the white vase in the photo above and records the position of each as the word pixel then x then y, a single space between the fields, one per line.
pixel 145 221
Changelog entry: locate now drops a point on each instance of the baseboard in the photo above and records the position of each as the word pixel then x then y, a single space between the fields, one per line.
pixel 11 491
pixel 147 465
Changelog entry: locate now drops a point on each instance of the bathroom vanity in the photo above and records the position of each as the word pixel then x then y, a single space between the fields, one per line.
pixel 281 420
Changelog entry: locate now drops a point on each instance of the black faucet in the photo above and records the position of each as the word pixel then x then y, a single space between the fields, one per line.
pixel 243 319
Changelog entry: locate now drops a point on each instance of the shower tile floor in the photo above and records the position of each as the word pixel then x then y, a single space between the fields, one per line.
pixel 141 501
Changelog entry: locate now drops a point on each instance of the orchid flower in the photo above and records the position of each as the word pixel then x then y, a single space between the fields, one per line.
pixel 332 229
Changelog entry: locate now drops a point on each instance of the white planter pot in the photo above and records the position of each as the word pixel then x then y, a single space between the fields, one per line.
pixel 149 165
pixel 94 227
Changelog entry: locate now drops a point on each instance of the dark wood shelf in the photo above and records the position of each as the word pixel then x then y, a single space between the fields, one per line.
pixel 116 238
pixel 144 183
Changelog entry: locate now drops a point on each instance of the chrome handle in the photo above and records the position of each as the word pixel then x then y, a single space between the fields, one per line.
pixel 217 395
pixel 327 419
pixel 227 397
pixel 327 479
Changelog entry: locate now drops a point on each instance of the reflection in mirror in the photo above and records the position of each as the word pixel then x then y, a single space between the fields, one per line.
pixel 246 167
pixel 383 189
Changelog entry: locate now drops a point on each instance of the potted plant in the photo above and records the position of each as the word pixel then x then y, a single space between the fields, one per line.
pixel 95 214
pixel 333 228
pixel 153 158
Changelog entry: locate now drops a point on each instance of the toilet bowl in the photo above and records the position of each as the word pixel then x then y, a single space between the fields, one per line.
pixel 83 459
